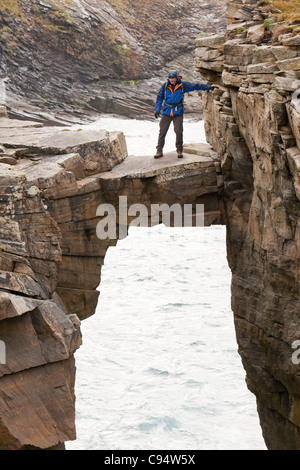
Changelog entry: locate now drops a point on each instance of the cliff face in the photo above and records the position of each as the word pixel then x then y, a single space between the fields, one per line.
pixel 253 123
pixel 72 55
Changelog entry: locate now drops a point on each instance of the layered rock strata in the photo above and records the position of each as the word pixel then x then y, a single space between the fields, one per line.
pixel 51 256
pixel 37 370
pixel 253 122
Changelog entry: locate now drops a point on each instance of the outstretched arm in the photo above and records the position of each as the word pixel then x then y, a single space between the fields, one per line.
pixel 188 86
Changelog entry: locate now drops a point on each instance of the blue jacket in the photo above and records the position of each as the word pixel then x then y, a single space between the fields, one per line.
pixel 172 96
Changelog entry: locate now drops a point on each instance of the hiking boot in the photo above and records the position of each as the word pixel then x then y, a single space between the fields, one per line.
pixel 158 155
pixel 179 155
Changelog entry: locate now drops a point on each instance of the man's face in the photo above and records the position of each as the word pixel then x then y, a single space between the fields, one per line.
pixel 173 80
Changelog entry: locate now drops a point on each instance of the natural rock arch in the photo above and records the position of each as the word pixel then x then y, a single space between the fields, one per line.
pixel 51 256
pixel 252 123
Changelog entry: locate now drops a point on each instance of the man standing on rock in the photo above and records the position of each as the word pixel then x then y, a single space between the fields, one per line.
pixel 170 98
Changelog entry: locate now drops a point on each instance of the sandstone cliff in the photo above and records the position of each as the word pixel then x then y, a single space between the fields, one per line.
pixel 253 122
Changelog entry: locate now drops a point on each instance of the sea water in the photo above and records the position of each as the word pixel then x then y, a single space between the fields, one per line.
pixel 159 367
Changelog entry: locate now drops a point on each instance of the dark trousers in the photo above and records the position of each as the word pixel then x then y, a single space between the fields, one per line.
pixel 163 129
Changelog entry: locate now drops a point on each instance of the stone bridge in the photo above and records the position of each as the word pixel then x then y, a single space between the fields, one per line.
pixel 76 171
pixel 52 182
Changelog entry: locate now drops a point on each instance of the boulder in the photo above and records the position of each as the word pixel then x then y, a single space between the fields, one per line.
pixel 256 33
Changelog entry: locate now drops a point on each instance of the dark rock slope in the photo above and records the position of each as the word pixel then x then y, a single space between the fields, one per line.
pixel 98 53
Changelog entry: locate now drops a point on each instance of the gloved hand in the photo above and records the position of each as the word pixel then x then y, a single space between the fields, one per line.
pixel 156 115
